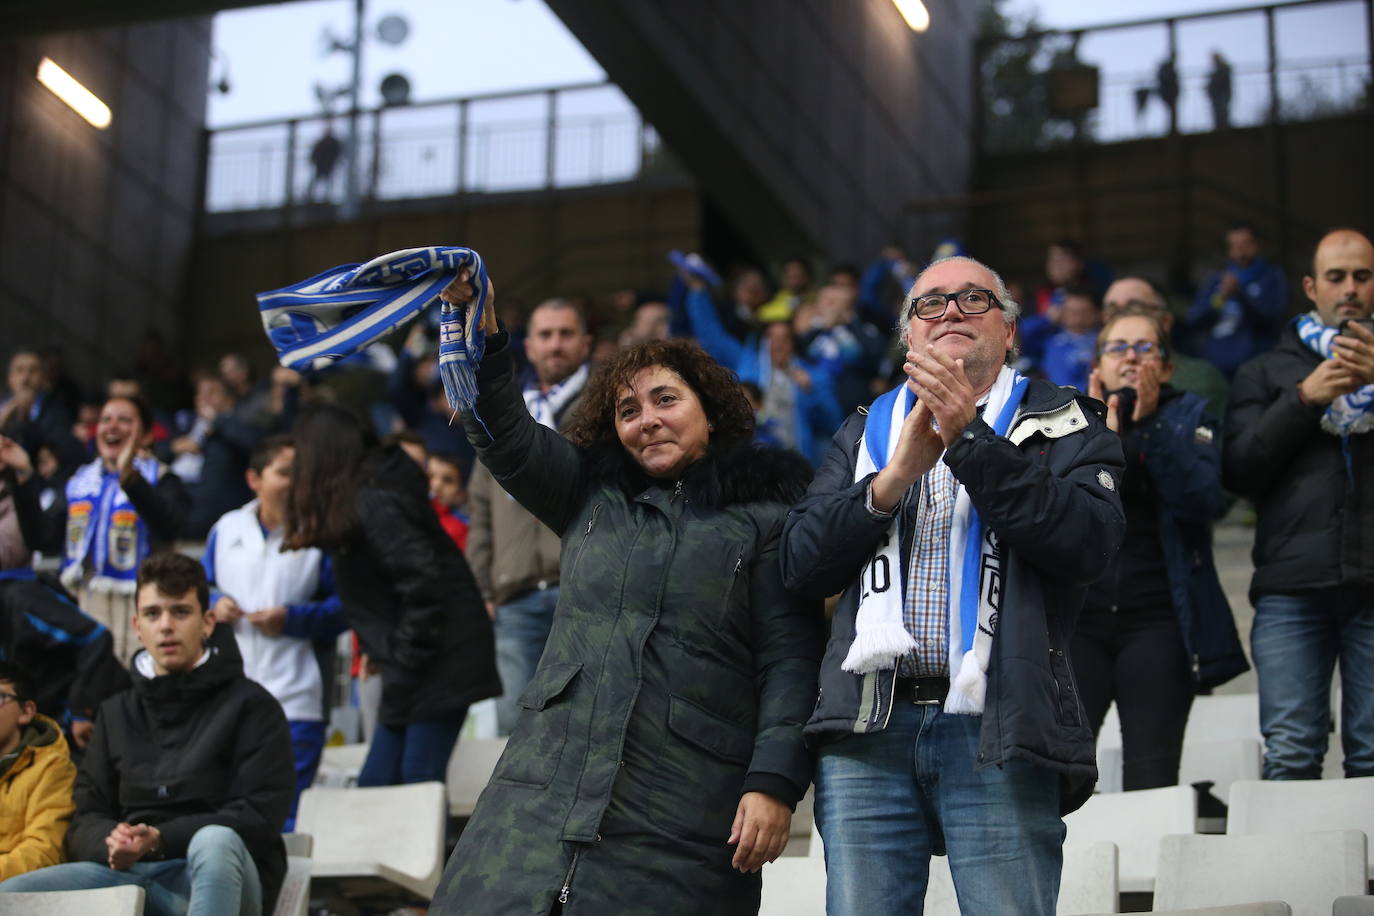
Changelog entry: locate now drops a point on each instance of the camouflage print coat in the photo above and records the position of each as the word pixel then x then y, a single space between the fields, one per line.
pixel 677 676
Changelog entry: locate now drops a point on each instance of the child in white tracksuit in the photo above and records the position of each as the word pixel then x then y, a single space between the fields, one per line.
pixel 280 605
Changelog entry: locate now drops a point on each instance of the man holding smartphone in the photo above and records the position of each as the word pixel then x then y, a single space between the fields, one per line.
pixel 1300 443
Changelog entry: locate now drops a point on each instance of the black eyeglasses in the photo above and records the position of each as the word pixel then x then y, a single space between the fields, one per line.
pixel 6 697
pixel 1144 349
pixel 968 301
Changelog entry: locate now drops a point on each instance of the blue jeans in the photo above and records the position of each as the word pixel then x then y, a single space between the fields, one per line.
pixel 887 801
pixel 217 878
pixel 307 743
pixel 522 627
pixel 418 752
pixel 1296 641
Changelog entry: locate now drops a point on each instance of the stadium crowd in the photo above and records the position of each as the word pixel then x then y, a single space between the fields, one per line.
pixel 180 553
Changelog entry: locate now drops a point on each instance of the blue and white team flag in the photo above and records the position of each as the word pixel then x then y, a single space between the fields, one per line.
pixel 337 313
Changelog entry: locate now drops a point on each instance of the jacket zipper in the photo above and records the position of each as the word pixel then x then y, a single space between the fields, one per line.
pixel 567 879
pixel 677 491
pixel 577 561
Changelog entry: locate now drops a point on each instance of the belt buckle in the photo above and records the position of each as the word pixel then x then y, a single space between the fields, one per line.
pixel 918 700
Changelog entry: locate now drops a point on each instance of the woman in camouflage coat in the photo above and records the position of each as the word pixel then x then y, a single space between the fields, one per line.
pixel 658 754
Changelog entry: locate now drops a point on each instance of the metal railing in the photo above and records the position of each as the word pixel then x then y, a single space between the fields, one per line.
pixel 1284 62
pixel 560 137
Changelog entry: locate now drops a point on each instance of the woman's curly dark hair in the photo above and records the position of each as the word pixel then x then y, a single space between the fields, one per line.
pixel 722 399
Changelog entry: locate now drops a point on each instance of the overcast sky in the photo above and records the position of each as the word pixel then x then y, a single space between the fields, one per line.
pixel 274 55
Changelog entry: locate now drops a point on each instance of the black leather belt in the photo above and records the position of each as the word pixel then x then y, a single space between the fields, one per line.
pixel 923 691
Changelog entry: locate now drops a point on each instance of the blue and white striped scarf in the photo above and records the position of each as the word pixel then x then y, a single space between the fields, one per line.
pixel 336 314
pixel 1350 413
pixel 973 573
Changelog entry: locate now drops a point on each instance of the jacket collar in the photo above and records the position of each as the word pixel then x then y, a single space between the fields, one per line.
pixel 745 474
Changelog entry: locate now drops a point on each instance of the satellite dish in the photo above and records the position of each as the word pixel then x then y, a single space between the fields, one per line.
pixel 392 29
pixel 395 90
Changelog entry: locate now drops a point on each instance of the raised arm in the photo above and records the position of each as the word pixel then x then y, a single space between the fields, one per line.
pixel 543 471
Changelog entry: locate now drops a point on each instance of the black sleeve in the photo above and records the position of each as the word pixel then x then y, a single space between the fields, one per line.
pixel 97 794
pixel 830 534
pixel 1265 430
pixel 163 507
pixel 788 639
pixel 414 562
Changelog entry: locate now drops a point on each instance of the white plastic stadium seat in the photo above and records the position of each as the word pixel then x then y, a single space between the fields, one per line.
pixel 794 886
pixel 107 901
pixel 391 833
pixel 469 770
pixel 294 898
pixel 1267 908
pixel 1293 806
pixel 339 765
pixel 1306 870
pixel 1135 821
pixel 1088 882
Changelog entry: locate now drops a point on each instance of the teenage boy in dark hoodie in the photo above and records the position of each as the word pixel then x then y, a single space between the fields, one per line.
pixel 189 775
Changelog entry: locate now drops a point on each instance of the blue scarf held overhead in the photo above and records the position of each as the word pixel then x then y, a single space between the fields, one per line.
pixel 1350 413
pixel 337 313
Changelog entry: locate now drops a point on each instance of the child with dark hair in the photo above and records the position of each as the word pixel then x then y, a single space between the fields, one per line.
pixel 449 495
pixel 36 778
pixel 187 781
pixel 280 604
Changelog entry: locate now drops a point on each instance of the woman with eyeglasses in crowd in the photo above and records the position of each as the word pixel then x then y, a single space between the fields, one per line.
pixel 1156 628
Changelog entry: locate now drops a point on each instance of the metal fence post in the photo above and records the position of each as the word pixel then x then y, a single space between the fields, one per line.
pixel 551 140
pixel 289 200
pixel 462 145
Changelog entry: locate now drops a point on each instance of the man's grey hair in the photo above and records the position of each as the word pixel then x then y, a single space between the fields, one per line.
pixel 1011 309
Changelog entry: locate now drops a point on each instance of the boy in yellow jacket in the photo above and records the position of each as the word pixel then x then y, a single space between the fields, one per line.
pixel 36 780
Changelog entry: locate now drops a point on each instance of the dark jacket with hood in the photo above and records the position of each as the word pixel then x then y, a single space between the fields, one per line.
pixel 1313 491
pixel 189 750
pixel 69 655
pixel 677 676
pixel 411 598
pixel 1052 500
pixel 1171 493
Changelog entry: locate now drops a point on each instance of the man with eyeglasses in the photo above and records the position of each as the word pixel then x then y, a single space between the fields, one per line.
pixel 1300 443
pixel 1146 297
pixel 961 515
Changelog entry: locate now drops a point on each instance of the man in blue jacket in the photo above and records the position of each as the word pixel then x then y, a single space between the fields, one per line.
pixel 961 517
pixel 1240 309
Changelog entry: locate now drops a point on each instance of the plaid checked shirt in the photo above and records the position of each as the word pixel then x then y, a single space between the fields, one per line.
pixel 925 608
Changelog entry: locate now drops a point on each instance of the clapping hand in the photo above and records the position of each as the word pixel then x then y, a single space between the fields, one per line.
pixel 1113 402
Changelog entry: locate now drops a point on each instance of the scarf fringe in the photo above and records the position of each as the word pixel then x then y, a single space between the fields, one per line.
pixel 969 688
pixel 876 648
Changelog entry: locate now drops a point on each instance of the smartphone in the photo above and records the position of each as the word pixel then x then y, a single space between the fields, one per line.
pixel 1366 323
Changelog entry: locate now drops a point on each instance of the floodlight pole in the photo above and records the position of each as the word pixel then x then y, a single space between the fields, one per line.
pixel 352 190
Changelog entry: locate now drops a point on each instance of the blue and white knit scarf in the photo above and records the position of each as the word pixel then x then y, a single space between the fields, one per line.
pixel 1350 413
pixel 341 311
pixel 975 562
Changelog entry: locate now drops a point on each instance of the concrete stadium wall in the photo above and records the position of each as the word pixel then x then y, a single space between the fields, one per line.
pixel 96 226
pixel 587 242
pixel 809 123
pixel 1162 206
